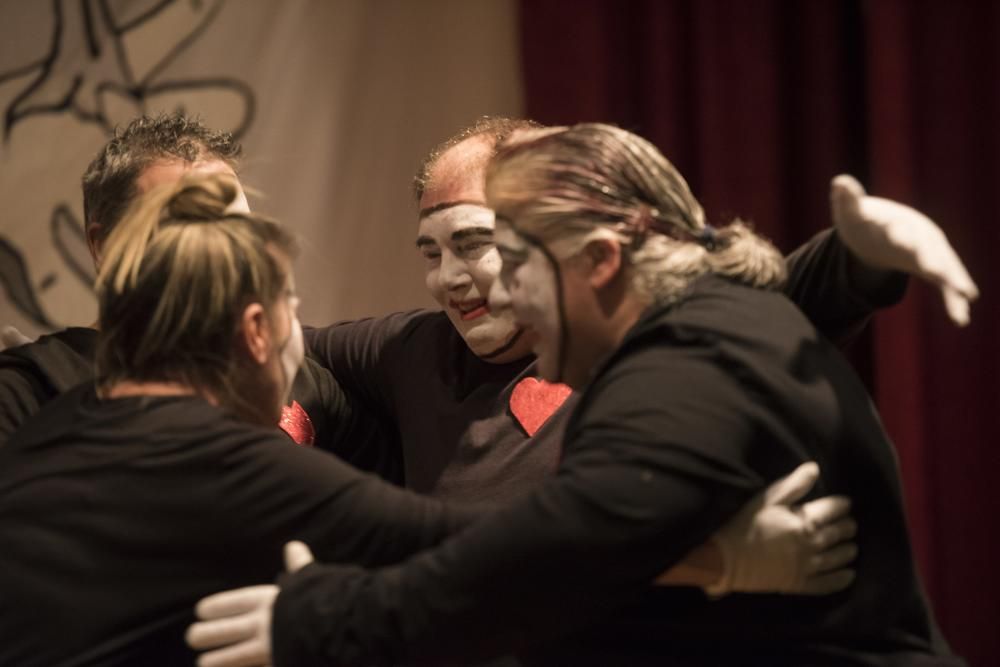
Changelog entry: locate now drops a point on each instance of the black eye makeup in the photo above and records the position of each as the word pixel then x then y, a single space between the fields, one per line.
pixel 512 259
pixel 474 248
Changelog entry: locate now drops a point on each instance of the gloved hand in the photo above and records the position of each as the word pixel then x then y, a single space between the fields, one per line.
pixel 772 546
pixel 888 235
pixel 236 624
pixel 11 337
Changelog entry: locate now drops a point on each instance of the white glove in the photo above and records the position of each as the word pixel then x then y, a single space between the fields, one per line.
pixel 11 337
pixel 237 623
pixel 772 547
pixel 889 235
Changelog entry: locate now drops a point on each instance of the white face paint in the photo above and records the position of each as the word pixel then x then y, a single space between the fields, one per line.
pixel 527 287
pixel 292 350
pixel 292 354
pixel 462 264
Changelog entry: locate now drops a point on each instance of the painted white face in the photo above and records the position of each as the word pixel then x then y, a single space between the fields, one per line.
pixel 289 346
pixel 292 350
pixel 528 288
pixel 462 263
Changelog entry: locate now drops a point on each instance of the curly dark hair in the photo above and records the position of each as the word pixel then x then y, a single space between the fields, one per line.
pixel 497 128
pixel 109 183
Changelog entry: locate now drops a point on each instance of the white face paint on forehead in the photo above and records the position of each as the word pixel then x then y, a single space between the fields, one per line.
pixel 461 265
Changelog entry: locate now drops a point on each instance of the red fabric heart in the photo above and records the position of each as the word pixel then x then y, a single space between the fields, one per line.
pixel 533 401
pixel 296 423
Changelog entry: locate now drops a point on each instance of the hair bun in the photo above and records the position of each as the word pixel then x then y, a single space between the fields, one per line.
pixel 203 198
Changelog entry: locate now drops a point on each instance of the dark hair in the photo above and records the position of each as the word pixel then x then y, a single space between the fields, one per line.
pixel 497 128
pixel 176 275
pixel 109 183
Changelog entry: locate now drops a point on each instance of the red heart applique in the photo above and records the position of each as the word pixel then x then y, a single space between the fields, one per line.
pixel 533 401
pixel 296 423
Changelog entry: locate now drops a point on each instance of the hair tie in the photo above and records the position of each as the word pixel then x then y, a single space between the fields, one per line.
pixel 708 237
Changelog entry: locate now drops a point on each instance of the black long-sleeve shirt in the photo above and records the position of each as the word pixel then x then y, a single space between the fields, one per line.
pixel 459 439
pixel 705 403
pixel 32 375
pixel 117 516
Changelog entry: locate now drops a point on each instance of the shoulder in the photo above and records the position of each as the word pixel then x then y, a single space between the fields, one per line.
pixel 74 341
pixel 691 365
pixel 655 380
pixel 735 322
pixel 379 332
pixel 418 323
pixel 416 332
pixel 61 360
pixel 728 307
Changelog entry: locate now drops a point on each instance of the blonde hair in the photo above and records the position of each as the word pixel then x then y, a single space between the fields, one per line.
pixel 176 275
pixel 569 185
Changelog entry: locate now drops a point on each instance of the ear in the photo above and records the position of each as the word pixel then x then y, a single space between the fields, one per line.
pixel 255 333
pixel 605 259
pixel 95 241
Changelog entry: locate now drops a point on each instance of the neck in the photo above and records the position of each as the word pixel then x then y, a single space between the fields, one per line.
pixel 127 388
pixel 604 339
pixel 630 312
pixel 515 349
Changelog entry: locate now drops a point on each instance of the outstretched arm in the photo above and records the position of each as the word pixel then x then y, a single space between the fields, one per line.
pixel 843 275
pixel 891 236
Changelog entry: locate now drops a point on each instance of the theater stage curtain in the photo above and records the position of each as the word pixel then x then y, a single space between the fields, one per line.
pixel 759 103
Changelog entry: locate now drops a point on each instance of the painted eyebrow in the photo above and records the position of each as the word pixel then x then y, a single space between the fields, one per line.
pixel 424 212
pixel 457 236
pixel 471 231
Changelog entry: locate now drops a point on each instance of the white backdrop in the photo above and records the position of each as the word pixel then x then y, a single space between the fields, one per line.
pixel 336 102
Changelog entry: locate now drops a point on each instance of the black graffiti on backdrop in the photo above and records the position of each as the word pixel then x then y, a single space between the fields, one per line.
pixel 83 33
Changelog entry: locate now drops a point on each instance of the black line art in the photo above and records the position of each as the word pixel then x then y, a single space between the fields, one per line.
pixel 86 68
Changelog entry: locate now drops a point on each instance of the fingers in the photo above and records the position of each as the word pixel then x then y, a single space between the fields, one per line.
pixel 238 601
pixel 956 305
pixel 940 263
pixel 297 556
pixel 825 510
pixel 845 197
pixel 793 486
pixel 847 184
pixel 247 654
pixel 956 276
pixel 846 189
pixel 835 533
pixel 912 243
pixel 946 270
pixel 831 559
pixel 221 632
pixel 832 582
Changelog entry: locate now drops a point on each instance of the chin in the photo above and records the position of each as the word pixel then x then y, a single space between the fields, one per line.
pixel 488 337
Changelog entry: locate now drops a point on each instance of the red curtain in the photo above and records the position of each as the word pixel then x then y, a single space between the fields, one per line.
pixel 759 103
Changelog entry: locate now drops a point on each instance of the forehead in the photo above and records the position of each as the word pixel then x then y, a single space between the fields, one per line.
pixel 169 171
pixel 459 175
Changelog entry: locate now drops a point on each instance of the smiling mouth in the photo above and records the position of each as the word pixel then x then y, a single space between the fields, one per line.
pixel 471 310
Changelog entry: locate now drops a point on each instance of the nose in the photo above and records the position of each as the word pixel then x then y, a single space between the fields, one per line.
pixel 454 274
pixel 499 297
